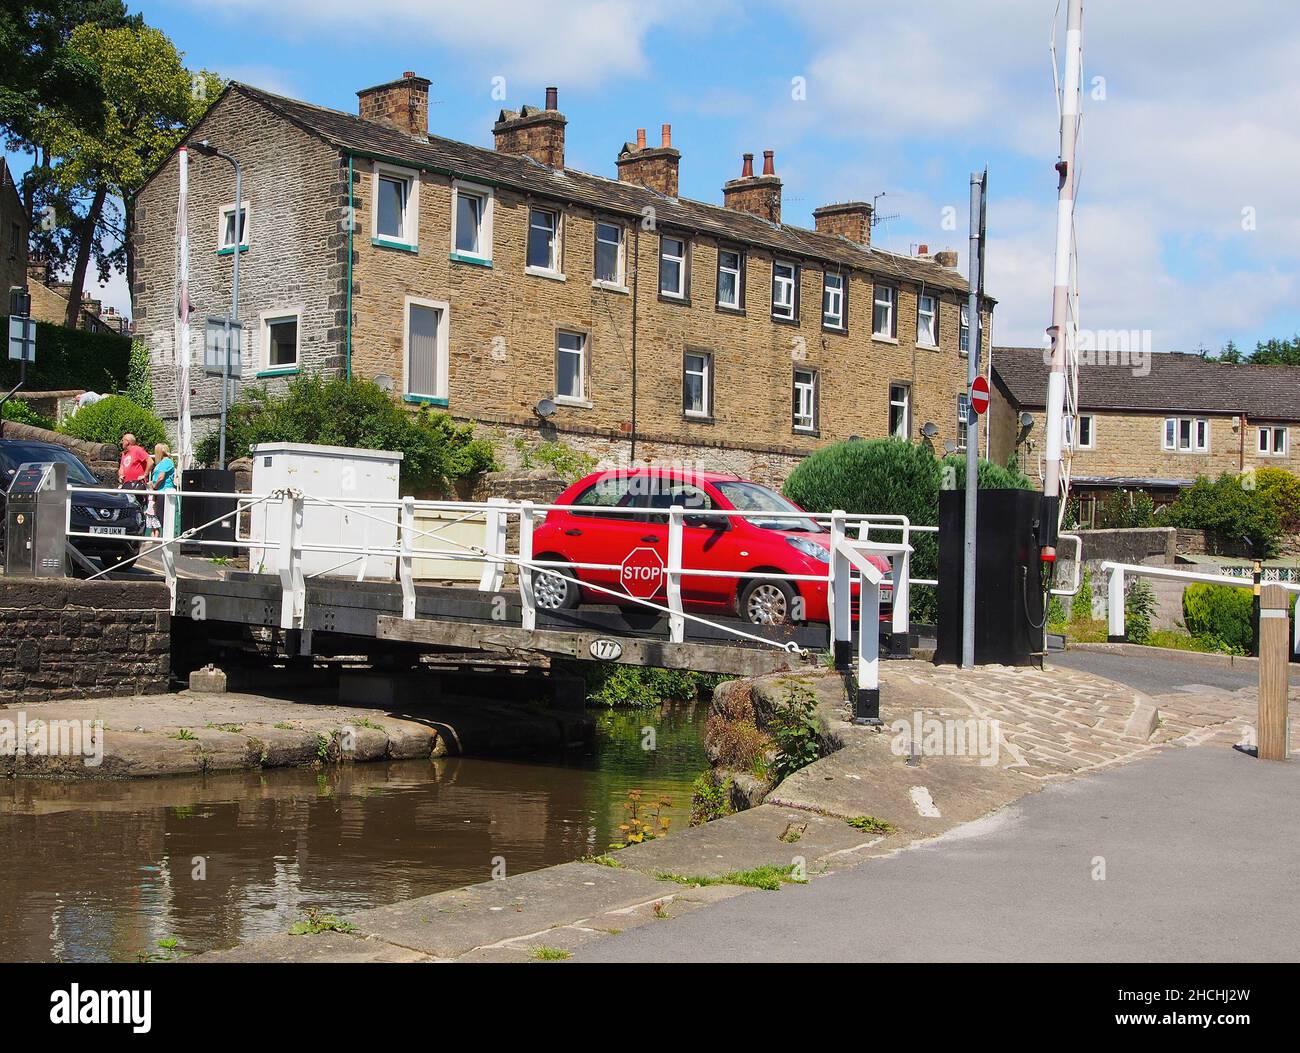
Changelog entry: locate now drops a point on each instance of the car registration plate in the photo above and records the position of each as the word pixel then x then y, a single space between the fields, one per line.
pixel 112 531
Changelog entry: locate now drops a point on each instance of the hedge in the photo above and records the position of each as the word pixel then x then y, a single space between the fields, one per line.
pixel 108 419
pixel 1221 614
pixel 71 359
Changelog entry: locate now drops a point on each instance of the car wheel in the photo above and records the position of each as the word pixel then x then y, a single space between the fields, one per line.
pixel 555 594
pixel 768 602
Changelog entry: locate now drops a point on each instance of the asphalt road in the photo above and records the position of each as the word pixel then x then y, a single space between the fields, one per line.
pixel 1201 851
pixel 1160 674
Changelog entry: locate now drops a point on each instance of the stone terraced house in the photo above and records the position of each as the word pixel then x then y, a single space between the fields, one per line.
pixel 545 303
pixel 1154 429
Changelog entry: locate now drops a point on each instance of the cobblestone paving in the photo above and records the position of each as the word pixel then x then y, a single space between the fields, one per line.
pixel 1061 722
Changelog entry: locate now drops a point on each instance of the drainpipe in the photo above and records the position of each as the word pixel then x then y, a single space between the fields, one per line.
pixel 1241 444
pixel 352 223
pixel 636 282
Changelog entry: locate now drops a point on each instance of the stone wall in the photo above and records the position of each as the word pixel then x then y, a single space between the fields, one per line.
pixel 82 639
pixel 1136 545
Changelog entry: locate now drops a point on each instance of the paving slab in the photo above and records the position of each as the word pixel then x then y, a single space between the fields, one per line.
pixel 323 947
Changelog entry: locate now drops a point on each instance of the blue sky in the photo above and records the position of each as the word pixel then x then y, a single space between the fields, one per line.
pixel 1188 126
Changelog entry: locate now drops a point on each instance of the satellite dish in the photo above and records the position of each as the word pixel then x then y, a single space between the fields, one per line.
pixel 929 429
pixel 545 409
pixel 950 446
pixel 1026 420
pixel 384 382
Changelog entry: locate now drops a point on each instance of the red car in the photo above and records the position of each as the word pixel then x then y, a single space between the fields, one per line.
pixel 744 544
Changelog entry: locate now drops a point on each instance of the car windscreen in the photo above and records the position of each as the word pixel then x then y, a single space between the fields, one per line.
pixel 13 453
pixel 750 497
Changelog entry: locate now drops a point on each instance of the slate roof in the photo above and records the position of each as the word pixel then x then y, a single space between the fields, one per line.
pixel 1177 383
pixel 348 132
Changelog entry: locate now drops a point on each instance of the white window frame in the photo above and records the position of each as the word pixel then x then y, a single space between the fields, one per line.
pixel 887 335
pixel 1269 433
pixel 791 285
pixel 619 281
pixel 1195 426
pixel 706 383
pixel 813 397
pixel 963 334
pixel 486 195
pixel 682 261
pixel 225 211
pixel 834 321
pixel 905 405
pixel 739 272
pixel 931 342
pixel 410 236
pixel 444 344
pixel 555 269
pixel 265 320
pixel 1091 444
pixel 580 399
pixel 963 420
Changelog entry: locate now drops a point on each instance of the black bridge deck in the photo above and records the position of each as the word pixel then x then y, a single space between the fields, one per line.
pixel 462 618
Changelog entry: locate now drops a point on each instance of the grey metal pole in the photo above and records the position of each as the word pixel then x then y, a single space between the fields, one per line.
pixel 972 426
pixel 232 319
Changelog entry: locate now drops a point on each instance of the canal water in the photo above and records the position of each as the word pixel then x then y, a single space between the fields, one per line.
pixel 113 871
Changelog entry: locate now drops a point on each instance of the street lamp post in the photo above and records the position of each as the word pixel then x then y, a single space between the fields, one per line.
pixel 232 318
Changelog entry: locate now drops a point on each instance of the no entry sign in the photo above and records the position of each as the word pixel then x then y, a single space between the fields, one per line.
pixel 642 573
pixel 979 395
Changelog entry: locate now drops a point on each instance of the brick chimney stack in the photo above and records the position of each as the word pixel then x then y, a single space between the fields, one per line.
pixel 653 167
pixel 851 220
pixel 534 133
pixel 758 195
pixel 402 104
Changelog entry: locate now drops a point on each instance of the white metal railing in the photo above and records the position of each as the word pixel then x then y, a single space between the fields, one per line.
pixel 846 558
pixel 1116 586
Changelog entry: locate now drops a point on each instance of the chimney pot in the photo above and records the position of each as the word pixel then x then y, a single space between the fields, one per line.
pixel 552 98
pixel 666 135
pixel 923 250
pixel 769 164
pixel 408 74
pixel 746 166
pixel 640 138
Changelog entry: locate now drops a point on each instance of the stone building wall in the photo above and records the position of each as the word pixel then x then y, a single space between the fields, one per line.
pixel 82 639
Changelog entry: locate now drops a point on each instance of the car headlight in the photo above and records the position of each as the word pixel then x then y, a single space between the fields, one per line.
pixel 810 548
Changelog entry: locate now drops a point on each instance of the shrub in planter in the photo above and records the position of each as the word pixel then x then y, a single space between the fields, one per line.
pixel 1221 613
pixel 106 421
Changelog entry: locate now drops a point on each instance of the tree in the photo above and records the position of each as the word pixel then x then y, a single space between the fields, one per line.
pixel 149 99
pixel 1277 352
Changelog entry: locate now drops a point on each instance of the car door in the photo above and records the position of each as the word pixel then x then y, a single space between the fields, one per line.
pixel 707 541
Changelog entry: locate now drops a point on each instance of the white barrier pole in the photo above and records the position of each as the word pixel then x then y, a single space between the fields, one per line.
pixel 405 573
pixel 170 514
pixel 1115 604
pixel 867 707
pixel 293 589
pixel 838 594
pixel 676 623
pixel 901 617
pixel 529 618
pixel 494 544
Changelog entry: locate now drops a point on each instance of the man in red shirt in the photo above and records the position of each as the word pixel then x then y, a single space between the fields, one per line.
pixel 133 469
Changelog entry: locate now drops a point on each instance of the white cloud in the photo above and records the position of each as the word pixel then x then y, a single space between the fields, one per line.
pixel 588 40
pixel 1197 123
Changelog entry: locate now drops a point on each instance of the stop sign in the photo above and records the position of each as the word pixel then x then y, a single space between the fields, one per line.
pixel 979 395
pixel 642 573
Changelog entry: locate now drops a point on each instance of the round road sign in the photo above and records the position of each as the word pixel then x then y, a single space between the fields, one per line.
pixel 979 395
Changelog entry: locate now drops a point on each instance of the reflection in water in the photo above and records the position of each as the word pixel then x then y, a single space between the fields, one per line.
pixel 103 871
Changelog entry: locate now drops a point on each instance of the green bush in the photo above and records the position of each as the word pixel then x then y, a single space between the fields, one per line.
pixel 20 412
pixel 1139 609
pixel 107 419
pixel 613 685
pixel 436 451
pixel 1081 605
pixel 569 464
pixel 1220 613
pixel 71 359
pixel 1125 509
pixel 891 476
pixel 139 380
pixel 1280 490
pixel 1233 512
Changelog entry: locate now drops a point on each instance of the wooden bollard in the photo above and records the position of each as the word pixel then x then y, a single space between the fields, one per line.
pixel 1274 656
